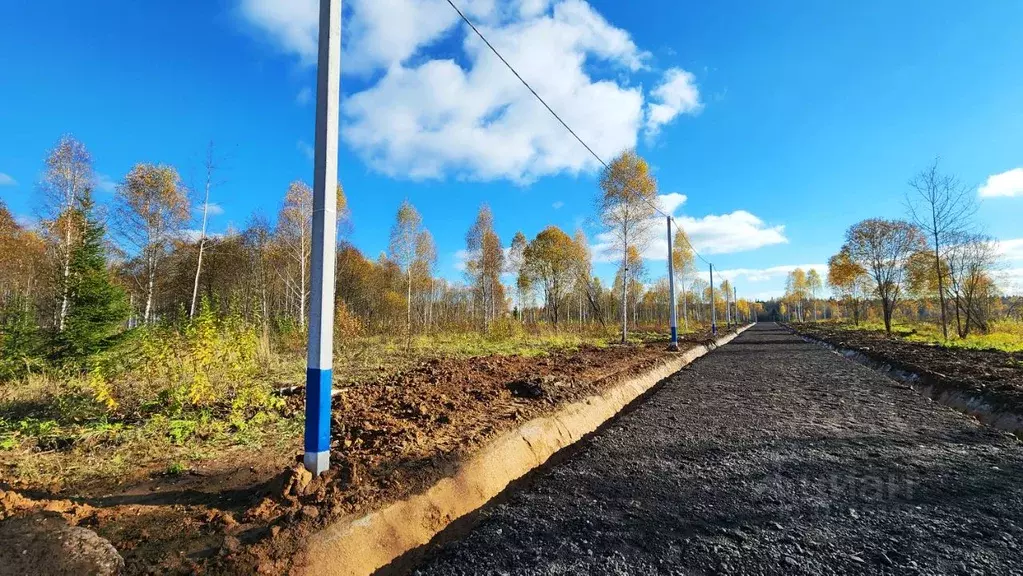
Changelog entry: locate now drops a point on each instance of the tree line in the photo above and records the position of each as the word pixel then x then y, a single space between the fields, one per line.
pixel 87 273
pixel 934 264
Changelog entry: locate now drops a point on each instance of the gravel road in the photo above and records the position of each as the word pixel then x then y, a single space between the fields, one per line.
pixel 768 456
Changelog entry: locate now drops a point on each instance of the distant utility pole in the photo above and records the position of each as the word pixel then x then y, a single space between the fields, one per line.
pixel 320 356
pixel 735 303
pixel 713 312
pixel 673 345
pixel 728 311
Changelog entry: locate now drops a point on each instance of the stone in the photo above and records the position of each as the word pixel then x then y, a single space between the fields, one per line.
pixel 46 544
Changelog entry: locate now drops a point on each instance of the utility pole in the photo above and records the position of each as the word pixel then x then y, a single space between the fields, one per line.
pixel 320 355
pixel 673 345
pixel 713 312
pixel 728 311
pixel 735 304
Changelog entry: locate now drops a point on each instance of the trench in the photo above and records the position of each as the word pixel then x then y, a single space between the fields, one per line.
pixel 391 539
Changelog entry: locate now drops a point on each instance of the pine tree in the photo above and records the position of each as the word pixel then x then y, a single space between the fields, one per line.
pixel 19 339
pixel 97 307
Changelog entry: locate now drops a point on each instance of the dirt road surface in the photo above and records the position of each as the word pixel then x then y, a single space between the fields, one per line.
pixel 769 456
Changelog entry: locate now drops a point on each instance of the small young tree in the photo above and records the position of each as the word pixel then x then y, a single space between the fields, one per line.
pixel 796 290
pixel 813 286
pixel 848 279
pixel 626 204
pixel 294 235
pixel 970 259
pixel 941 207
pixel 408 224
pixel 96 305
pixel 683 262
pixel 514 262
pixel 210 166
pixel 425 261
pixel 882 248
pixel 484 264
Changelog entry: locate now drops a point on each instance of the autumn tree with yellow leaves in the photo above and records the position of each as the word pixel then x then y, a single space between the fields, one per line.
pixel 625 205
pixel 152 208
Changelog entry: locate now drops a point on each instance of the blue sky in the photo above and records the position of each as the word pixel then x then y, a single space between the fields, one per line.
pixel 781 123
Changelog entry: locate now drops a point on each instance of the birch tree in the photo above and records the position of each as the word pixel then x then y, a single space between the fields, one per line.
pixel 484 263
pixel 683 263
pixel 294 232
pixel 424 263
pixel 813 287
pixel 67 175
pixel 405 232
pixel 210 167
pixel 849 280
pixel 514 262
pixel 626 204
pixel 152 208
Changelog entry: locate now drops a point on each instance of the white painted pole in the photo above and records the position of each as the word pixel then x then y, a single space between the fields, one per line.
pixel 673 345
pixel 320 356
pixel 713 312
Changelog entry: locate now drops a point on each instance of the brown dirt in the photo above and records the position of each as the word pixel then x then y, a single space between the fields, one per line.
pixel 994 375
pixel 390 438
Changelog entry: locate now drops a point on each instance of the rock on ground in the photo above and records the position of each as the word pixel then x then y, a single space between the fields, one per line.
pixel 47 545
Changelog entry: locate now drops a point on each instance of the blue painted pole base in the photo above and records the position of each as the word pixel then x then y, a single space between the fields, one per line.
pixel 317 419
pixel 673 345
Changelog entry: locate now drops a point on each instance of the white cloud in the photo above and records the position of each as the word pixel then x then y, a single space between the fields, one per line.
pixel 292 24
pixel 1011 281
pixel 557 205
pixel 671 202
pixel 757 275
pixel 530 8
pixel 1011 249
pixel 6 180
pixel 737 231
pixel 379 33
pixel 105 183
pixel 212 209
pixel 1005 184
pixel 30 222
pixel 305 148
pixel 424 118
pixel 479 122
pixel 193 235
pixel 461 256
pixel 304 96
pixel 677 94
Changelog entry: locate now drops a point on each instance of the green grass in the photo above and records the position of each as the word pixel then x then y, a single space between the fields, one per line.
pixel 55 431
pixel 1006 336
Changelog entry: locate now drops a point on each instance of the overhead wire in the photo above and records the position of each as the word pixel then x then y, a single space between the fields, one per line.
pixel 563 123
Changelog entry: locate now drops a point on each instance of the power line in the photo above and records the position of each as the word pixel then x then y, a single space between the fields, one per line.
pixel 563 123
pixel 526 84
